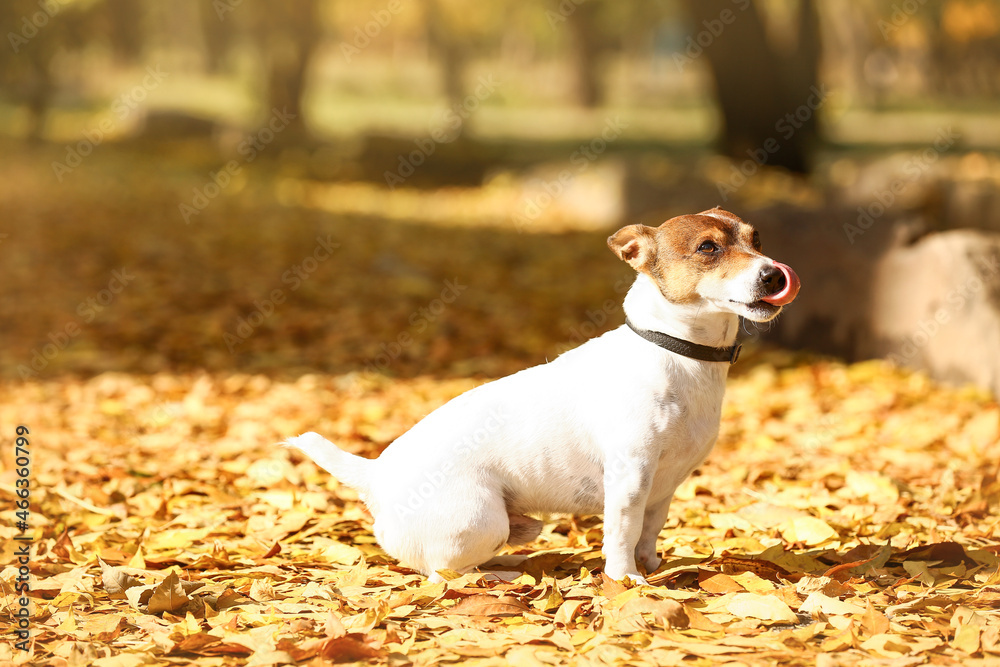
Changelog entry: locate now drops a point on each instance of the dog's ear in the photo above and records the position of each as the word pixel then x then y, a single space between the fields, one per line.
pixel 635 245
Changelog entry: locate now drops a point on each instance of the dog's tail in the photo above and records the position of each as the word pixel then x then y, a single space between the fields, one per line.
pixel 354 471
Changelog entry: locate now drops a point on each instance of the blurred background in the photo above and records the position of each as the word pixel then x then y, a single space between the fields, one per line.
pixel 408 187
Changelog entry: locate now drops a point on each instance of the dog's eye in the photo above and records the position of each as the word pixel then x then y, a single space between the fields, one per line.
pixel 756 241
pixel 708 247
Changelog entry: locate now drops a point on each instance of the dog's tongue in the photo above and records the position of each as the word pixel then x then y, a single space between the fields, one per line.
pixel 789 291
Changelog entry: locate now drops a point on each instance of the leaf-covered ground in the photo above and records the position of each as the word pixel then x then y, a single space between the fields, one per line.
pixel 847 516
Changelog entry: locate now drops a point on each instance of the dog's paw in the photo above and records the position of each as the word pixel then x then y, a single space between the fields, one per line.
pixel 649 560
pixel 618 575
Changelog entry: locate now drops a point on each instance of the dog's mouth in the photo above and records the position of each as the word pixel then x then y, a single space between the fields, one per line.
pixel 786 288
pixel 783 290
pixel 760 310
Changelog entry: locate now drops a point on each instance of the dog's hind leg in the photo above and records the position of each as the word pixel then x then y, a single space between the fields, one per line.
pixel 523 529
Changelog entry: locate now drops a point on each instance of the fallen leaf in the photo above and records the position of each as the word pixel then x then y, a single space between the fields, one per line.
pixel 887 645
pixel 568 611
pixel 489 605
pixel 611 588
pixel 665 613
pixel 169 595
pixel 873 622
pixel 817 603
pixel 763 607
pixel 808 530
pixel 715 582
pixel 115 581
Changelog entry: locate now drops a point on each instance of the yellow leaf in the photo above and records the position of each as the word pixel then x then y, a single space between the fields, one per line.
pixel 817 603
pixel 753 583
pixel 261 591
pixel 874 622
pixel 874 487
pixel 138 596
pixel 841 642
pixel 168 595
pixel 552 601
pixel 568 611
pixel 115 581
pixel 581 637
pixel 665 613
pixel 489 605
pixel 890 646
pixel 808 530
pixel 137 561
pixel 968 626
pixel 966 639
pixel 340 553
pixel 69 623
pixel 763 607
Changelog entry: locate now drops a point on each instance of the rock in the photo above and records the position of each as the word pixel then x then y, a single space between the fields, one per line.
pixel 936 306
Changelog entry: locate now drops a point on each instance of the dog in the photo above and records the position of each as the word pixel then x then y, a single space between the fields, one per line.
pixel 612 426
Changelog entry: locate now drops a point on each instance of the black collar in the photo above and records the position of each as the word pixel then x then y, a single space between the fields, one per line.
pixel 687 348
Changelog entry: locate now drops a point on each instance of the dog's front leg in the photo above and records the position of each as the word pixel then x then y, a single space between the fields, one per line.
pixel 626 487
pixel 652 522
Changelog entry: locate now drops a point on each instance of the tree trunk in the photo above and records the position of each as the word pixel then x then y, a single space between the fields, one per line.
pixel 764 98
pixel 290 37
pixel 449 50
pixel 585 55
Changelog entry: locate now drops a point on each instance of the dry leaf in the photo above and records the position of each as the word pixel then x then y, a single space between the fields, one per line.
pixel 489 605
pixel 889 646
pixel 115 581
pixel 808 530
pixel 874 622
pixel 568 611
pixel 715 582
pixel 817 603
pixel 169 595
pixel 665 613
pixel 763 607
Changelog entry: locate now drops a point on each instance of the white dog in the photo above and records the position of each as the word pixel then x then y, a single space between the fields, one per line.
pixel 613 426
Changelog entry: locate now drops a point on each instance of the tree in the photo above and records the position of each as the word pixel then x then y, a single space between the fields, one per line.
pixel 756 85
pixel 287 36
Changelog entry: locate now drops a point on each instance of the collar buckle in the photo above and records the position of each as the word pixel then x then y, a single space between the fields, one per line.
pixel 736 353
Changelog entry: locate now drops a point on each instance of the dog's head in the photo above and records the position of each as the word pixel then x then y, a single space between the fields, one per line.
pixel 712 259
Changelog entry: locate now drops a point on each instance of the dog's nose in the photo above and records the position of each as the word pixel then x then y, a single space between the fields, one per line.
pixel 772 279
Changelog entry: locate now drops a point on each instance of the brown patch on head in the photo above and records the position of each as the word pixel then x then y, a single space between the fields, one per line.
pixel 683 251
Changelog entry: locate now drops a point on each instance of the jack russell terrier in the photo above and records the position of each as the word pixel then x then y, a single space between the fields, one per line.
pixel 612 426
